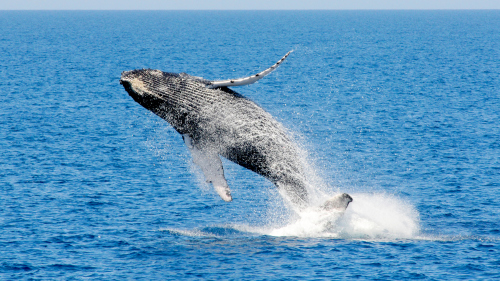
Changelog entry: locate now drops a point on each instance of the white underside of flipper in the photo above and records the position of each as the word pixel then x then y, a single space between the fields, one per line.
pixel 211 165
pixel 246 80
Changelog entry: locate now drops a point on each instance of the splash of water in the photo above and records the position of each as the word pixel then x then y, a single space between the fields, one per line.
pixel 369 217
pixel 379 216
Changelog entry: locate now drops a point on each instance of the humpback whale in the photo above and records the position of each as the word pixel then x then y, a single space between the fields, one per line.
pixel 216 121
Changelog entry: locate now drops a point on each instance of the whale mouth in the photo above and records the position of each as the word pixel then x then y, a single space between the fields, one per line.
pixel 134 85
pixel 126 76
pixel 128 87
pixel 124 80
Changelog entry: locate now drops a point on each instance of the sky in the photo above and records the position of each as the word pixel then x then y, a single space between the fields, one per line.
pixel 245 5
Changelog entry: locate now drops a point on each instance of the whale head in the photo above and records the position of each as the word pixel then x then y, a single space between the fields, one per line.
pixel 150 86
pixel 175 97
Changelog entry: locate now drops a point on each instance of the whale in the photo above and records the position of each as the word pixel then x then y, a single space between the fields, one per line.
pixel 215 121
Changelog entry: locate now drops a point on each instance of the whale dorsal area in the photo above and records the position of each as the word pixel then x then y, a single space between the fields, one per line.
pixel 211 165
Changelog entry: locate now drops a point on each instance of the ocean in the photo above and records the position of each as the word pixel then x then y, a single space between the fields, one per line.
pixel 400 109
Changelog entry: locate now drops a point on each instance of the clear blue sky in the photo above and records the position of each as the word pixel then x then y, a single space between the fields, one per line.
pixel 244 5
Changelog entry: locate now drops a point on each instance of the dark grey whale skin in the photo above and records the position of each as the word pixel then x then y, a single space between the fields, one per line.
pixel 224 122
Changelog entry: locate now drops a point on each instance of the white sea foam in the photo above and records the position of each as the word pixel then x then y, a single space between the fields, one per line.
pixel 379 216
pixel 372 216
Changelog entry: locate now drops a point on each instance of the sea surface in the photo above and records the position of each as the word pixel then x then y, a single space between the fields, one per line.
pixel 400 109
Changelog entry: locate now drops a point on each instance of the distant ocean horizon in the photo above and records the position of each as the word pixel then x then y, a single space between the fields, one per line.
pixel 398 108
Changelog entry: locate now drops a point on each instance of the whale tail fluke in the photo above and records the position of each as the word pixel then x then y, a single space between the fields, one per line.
pixel 337 203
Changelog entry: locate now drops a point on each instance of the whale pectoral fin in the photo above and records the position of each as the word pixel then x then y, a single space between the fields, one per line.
pixel 211 165
pixel 246 80
pixel 337 203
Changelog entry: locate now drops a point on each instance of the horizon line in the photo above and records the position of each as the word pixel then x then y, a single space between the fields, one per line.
pixel 382 9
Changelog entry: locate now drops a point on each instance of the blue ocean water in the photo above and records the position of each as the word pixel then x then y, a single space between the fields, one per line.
pixel 400 109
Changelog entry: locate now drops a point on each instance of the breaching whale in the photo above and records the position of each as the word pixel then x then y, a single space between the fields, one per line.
pixel 215 121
